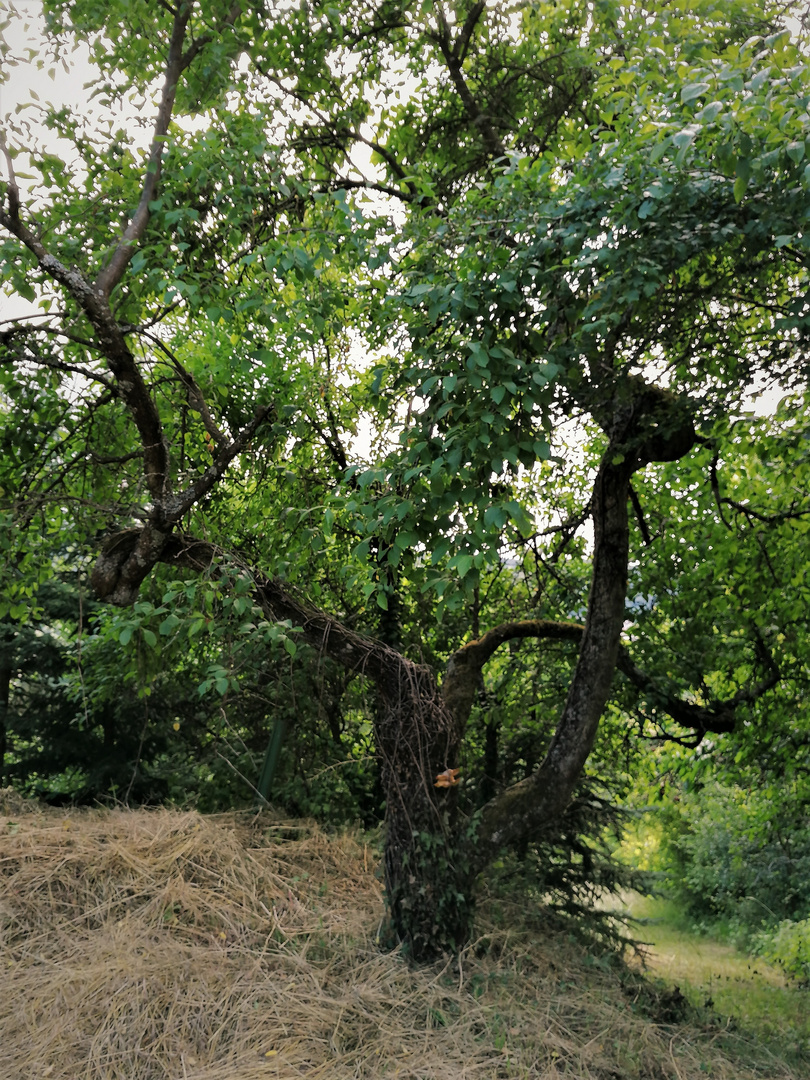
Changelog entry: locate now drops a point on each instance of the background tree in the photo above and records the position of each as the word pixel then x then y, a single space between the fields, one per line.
pixel 312 377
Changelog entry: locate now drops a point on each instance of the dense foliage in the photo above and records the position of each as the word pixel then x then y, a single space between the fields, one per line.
pixel 415 338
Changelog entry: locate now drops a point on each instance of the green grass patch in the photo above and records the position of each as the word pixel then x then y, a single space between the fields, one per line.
pixel 750 993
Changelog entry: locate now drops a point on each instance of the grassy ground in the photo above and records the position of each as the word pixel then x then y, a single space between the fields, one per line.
pixel 743 991
pixel 169 946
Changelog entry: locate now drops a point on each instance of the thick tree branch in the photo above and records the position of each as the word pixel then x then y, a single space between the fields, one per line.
pixel 464 669
pixel 720 717
pixel 366 656
pixel 645 424
pixel 111 343
pixel 129 556
pixel 112 273
pixel 176 506
pixel 462 42
pixel 94 298
pixel 533 804
pixel 109 339
pixel 462 678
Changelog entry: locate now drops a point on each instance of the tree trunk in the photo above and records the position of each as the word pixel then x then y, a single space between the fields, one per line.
pixel 534 804
pixel 5 700
pixel 427 879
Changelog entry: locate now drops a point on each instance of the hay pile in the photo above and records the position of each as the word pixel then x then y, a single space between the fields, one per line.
pixel 160 945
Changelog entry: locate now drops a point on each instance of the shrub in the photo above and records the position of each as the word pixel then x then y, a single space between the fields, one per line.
pixel 739 855
pixel 787 946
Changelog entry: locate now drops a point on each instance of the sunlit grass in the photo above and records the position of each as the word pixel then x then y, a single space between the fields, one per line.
pixel 753 995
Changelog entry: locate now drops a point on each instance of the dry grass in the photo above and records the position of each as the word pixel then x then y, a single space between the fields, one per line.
pixel 160 945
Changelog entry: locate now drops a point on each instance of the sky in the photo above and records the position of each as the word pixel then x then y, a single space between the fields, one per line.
pixel 55 82
pixel 23 81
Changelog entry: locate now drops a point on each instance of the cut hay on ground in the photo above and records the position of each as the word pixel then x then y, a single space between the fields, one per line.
pixel 160 945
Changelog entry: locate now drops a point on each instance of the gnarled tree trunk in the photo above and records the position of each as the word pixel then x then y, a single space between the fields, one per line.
pixel 427 877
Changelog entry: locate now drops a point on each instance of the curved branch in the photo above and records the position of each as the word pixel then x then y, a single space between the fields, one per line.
pixel 648 425
pixel 463 674
pixel 531 805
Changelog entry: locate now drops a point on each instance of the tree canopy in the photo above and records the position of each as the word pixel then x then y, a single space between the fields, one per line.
pixel 407 331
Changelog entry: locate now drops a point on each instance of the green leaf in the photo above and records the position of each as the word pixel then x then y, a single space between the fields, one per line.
pixel 683 139
pixel 795 150
pixel 463 564
pixel 710 112
pixel 170 623
pixel 740 185
pixel 743 170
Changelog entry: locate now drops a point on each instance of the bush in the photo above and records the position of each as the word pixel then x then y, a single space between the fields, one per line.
pixel 787 946
pixel 739 855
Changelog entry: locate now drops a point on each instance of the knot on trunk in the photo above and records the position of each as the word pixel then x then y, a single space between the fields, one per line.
pixel 651 423
pixel 125 560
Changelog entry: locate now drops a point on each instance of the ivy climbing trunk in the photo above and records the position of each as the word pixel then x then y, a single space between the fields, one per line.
pixel 5 698
pixel 428 888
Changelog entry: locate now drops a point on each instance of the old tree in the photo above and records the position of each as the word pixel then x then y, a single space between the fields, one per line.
pixel 388 299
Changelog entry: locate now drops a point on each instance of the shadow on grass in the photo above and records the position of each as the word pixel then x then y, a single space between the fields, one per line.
pixel 745 993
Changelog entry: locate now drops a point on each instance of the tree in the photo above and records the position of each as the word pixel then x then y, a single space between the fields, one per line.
pixel 457 234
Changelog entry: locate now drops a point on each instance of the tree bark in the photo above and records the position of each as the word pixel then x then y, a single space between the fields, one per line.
pixel 533 805
pixel 427 876
pixel 5 700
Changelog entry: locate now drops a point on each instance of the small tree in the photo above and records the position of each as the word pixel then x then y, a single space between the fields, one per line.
pixel 534 220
